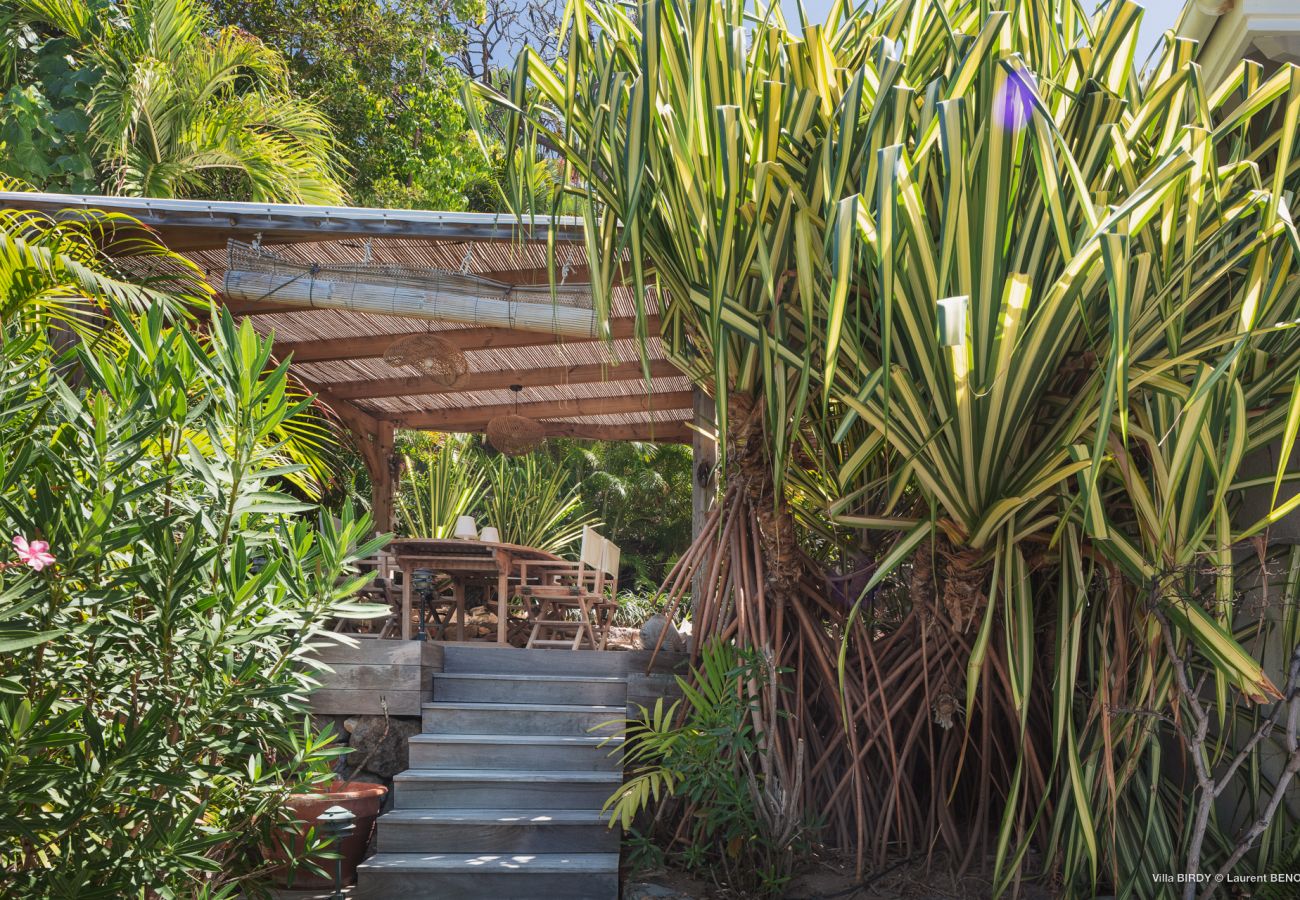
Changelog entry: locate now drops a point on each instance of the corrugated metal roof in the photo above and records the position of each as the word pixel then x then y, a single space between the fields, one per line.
pixel 489 245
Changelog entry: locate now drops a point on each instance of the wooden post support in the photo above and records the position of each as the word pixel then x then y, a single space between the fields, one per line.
pixel 374 441
pixel 704 475
pixel 382 477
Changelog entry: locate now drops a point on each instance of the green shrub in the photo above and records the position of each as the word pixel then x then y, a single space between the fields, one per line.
pixel 442 480
pixel 532 501
pixel 708 758
pixel 152 692
pixel 634 607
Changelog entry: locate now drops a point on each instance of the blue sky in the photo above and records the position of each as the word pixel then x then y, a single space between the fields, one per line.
pixel 1160 15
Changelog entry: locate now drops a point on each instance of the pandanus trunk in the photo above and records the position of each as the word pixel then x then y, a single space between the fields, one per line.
pixel 885 755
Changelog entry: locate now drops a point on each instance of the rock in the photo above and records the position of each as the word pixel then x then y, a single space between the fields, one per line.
pixel 379 744
pixel 349 723
pixel 688 636
pixel 336 724
pixel 654 626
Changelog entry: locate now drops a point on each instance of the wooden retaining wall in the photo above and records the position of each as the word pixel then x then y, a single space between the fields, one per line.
pixel 373 672
pixel 647 682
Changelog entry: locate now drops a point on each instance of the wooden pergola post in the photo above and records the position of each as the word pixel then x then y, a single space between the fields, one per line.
pixel 704 476
pixel 382 478
pixel 374 441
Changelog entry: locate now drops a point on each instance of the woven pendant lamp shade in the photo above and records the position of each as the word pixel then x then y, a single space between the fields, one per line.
pixel 513 434
pixel 429 355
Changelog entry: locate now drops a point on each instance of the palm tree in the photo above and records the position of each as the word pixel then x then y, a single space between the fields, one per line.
pixel 181 109
pixel 61 283
pixel 60 275
pixel 1011 309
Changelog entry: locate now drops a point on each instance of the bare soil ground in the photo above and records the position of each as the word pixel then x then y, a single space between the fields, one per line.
pixel 831 877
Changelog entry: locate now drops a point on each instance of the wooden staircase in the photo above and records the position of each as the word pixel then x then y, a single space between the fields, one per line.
pixel 506 783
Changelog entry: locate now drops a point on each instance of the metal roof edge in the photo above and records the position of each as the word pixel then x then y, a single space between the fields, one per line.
pixel 304 221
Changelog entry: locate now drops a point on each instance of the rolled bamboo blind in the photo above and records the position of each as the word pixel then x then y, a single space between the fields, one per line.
pixel 255 274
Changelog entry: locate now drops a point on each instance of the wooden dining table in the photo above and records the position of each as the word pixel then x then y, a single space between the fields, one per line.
pixel 461 561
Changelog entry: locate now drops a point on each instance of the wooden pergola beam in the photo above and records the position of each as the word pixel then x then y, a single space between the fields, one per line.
pixel 370 346
pixel 362 388
pixel 476 418
pixel 650 432
pixel 656 432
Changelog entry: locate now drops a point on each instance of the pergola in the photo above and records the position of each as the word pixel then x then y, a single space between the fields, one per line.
pixel 580 385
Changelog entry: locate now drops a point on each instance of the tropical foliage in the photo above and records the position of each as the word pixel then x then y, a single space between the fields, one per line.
pixel 442 481
pixel 378 72
pixel 707 753
pixel 162 588
pixel 1018 317
pixel 60 276
pixel 639 494
pixel 153 100
pixel 642 494
pixel 533 501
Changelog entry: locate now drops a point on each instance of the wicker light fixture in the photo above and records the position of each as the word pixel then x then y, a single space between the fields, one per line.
pixel 513 434
pixel 430 355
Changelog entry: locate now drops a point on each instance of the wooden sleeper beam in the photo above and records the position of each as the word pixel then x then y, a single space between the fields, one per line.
pixel 656 432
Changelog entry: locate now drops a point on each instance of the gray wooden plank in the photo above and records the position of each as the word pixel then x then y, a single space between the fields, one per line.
pixel 367 702
pixel 549 689
pixel 646 662
pixel 371 650
pixel 347 677
pixel 472 659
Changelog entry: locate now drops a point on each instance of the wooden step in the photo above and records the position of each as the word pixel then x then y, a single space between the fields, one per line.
pixel 492 660
pixel 495 831
pixel 595 690
pixel 460 876
pixel 516 751
pixel 503 789
pixel 521 718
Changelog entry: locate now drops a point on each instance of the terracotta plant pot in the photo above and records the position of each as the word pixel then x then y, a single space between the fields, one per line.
pixel 360 798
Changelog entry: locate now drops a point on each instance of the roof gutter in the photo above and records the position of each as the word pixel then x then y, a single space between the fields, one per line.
pixel 279 223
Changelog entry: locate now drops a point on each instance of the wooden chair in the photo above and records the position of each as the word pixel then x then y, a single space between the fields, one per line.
pixel 570 598
pixel 379 590
pixel 607 606
pixel 443 602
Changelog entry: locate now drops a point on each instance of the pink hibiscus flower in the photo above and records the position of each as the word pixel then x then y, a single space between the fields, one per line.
pixel 35 554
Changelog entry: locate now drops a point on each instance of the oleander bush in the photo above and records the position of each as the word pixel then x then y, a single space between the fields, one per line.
pixel 159 584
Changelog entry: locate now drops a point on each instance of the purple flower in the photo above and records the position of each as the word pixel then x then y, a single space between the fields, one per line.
pixel 1013 104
